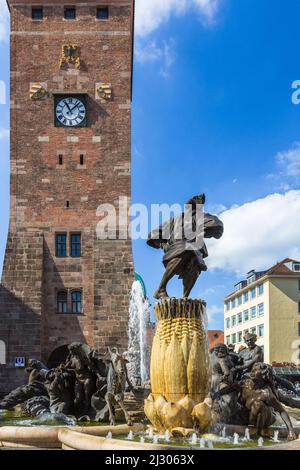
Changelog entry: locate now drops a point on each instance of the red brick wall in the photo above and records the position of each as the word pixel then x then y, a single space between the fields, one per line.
pixel 40 187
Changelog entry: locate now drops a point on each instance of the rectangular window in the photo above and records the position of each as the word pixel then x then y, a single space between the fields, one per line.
pixel 61 245
pixel 240 317
pixel 260 289
pixel 246 315
pixel 102 13
pixel 261 330
pixel 233 303
pixel 233 320
pixel 246 296
pixel 296 267
pixel 228 339
pixel 60 159
pixel 37 13
pixel 299 307
pixel 245 332
pixel 227 322
pixel 70 13
pixel 240 337
pixel 227 306
pixel 75 245
pixel 253 313
pixel 251 279
pixel 253 293
pixel 299 328
pixel 253 330
pixel 81 159
pixel 240 300
pixel 62 302
pixel 260 310
pixel 298 284
pixel 76 301
pixel 233 338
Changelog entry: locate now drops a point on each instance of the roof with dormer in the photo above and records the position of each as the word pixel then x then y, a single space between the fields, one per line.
pixel 282 268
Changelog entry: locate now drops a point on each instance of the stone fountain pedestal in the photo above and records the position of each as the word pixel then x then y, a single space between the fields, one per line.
pixel 180 367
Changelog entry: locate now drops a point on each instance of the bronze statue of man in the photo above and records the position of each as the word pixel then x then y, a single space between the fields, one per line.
pixel 185 252
pixel 250 355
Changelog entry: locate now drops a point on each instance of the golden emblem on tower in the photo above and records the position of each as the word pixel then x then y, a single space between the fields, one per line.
pixel 104 91
pixel 70 55
pixel 38 91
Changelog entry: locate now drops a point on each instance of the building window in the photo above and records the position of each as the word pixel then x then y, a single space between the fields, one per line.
pixel 37 13
pixel 227 322
pixel 67 204
pixel 102 13
pixel 70 13
pixel 260 289
pixel 245 332
pixel 253 293
pixel 81 159
pixel 246 296
pixel 227 306
pixel 240 300
pixel 296 267
pixel 76 301
pixel 299 328
pixel 62 302
pixel 240 317
pixel 260 310
pixel 261 330
pixel 61 245
pixel 233 303
pixel 253 330
pixel 233 320
pixel 60 159
pixel 246 315
pixel 240 337
pixel 298 284
pixel 299 307
pixel 253 313
pixel 233 338
pixel 228 339
pixel 2 352
pixel 251 279
pixel 75 245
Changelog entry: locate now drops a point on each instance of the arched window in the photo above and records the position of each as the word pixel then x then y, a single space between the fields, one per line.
pixel 62 302
pixel 76 301
pixel 2 352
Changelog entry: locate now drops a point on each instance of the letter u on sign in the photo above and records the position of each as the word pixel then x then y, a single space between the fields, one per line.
pixel 20 362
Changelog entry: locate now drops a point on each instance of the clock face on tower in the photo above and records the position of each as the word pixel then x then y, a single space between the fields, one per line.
pixel 70 111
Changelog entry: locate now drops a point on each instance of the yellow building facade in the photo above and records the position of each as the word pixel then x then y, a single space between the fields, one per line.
pixel 267 303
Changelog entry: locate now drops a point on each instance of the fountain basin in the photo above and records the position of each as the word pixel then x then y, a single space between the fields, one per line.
pixel 94 438
pixel 72 440
pixel 48 437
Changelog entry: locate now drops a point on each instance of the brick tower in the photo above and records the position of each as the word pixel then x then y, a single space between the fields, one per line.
pixel 71 75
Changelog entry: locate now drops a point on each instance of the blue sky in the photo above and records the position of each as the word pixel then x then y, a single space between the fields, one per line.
pixel 212 112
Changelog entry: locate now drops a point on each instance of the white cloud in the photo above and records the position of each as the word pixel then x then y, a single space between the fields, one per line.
pixel 289 161
pixel 258 234
pixel 148 52
pixel 151 52
pixel 150 14
pixel 4 20
pixel 4 133
pixel 215 208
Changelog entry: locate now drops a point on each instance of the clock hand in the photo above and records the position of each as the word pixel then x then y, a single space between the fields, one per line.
pixel 66 103
pixel 74 107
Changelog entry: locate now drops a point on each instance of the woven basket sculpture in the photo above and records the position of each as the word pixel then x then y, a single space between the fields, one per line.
pixel 179 369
